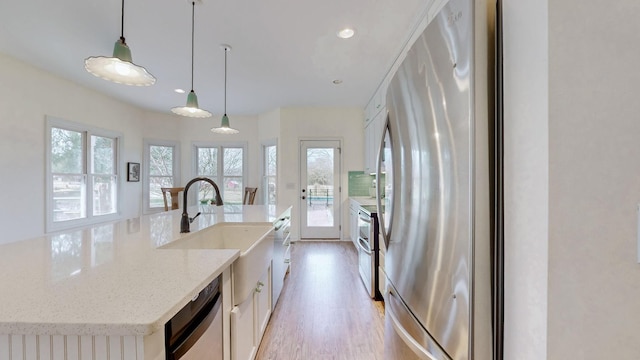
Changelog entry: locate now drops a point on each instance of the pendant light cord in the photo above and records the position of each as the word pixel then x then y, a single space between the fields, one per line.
pixel 225 80
pixel 193 11
pixel 122 23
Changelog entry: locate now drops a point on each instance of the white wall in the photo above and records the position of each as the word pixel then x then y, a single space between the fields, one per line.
pixel 572 180
pixel 317 123
pixel 594 180
pixel 27 95
pixel 526 189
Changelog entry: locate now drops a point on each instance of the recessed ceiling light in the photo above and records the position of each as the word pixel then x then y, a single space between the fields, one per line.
pixel 337 81
pixel 179 91
pixel 346 33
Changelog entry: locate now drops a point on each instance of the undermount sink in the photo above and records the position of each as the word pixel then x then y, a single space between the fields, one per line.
pixel 255 242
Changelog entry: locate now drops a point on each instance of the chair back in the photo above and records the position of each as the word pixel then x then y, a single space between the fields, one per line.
pixel 249 195
pixel 173 192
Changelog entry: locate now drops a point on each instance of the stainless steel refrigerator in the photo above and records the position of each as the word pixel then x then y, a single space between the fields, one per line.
pixel 435 207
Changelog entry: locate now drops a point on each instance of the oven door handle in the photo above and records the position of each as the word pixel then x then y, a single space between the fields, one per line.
pixel 364 217
pixel 364 245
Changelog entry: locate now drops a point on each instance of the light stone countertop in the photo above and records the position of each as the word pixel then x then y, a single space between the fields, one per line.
pixel 111 278
pixel 364 200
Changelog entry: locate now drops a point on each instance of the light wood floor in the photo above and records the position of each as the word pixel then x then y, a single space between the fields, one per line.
pixel 324 311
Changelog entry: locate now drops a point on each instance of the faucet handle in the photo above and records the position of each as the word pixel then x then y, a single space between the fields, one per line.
pixel 193 218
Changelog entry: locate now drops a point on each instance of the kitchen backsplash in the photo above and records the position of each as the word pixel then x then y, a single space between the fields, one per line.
pixel 360 183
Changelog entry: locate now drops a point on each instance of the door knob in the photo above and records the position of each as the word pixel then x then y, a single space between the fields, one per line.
pixel 303 197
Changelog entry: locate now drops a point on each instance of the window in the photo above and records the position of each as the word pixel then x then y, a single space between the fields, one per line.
pixel 161 170
pixel 225 165
pixel 82 174
pixel 269 173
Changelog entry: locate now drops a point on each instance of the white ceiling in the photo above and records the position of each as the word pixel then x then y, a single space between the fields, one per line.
pixel 285 52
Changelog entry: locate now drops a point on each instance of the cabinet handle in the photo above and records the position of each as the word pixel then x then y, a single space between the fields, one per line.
pixel 287 261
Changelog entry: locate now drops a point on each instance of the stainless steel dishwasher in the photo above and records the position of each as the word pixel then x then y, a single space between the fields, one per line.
pixel 195 332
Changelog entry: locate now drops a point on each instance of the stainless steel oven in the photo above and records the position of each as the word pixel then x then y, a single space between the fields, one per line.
pixel 195 332
pixel 368 250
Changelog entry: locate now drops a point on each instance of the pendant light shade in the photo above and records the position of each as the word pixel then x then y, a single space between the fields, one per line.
pixel 224 123
pixel 191 109
pixel 119 68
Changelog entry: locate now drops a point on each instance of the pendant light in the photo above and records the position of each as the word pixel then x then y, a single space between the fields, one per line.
pixel 191 109
pixel 119 68
pixel 224 125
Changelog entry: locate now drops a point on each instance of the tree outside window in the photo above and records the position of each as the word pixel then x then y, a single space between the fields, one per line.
pixel 161 160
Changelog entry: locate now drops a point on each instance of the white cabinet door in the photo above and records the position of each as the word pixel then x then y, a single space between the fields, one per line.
pixel 263 304
pixel 243 341
pixel 249 319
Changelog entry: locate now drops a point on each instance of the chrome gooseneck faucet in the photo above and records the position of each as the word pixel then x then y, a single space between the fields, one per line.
pixel 186 220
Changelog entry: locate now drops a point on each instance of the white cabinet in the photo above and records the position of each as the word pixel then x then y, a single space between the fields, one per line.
pixel 372 140
pixel 281 254
pixel 353 222
pixel 375 119
pixel 249 319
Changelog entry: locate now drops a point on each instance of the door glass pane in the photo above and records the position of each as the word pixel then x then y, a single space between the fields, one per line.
pixel 102 155
pixel 104 194
pixel 66 151
pixel 68 197
pixel 320 187
pixel 232 161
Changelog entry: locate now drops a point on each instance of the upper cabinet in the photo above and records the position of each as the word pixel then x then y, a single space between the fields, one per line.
pixel 375 118
pixel 372 139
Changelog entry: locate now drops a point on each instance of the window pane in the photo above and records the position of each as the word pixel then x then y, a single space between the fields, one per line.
pixel 161 160
pixel 271 167
pixel 208 161
pixel 104 194
pixel 233 190
pixel 103 155
pixel 206 193
pixel 69 197
pixel 155 194
pixel 66 151
pixel 232 161
pixel 271 190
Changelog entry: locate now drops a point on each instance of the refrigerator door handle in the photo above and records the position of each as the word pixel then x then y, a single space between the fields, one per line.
pixel 384 231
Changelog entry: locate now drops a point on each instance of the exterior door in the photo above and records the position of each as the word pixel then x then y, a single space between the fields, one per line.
pixel 320 189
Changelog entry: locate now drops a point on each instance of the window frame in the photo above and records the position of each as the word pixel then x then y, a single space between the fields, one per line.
pixel 87 131
pixel 146 171
pixel 265 184
pixel 220 164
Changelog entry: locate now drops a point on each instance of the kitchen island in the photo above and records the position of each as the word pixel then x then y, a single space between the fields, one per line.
pixel 108 289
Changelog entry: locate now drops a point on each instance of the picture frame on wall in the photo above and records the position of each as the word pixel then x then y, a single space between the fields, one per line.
pixel 133 171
